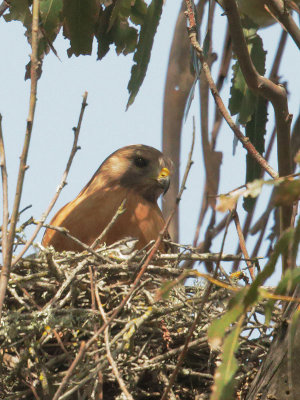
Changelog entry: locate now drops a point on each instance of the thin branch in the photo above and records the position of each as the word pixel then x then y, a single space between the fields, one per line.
pixel 278 57
pixel 204 299
pixel 263 86
pixel 84 246
pixel 94 297
pixel 110 357
pixel 119 212
pixel 243 243
pixel 250 214
pixel 4 192
pixel 61 185
pixel 23 158
pixel 77 359
pixel 243 139
pixel 223 72
pixel 282 14
pixel 4 6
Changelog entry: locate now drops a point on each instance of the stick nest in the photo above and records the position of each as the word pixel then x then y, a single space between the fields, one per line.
pixel 57 301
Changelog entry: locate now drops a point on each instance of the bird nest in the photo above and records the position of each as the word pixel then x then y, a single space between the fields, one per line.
pixel 55 310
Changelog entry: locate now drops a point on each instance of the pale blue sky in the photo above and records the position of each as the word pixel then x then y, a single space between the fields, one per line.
pixel 106 125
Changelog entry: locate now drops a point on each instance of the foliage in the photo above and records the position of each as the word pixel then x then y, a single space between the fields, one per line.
pixel 251 108
pixel 239 308
pixel 129 25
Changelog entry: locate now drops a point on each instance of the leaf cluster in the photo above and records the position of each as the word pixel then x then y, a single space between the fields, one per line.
pixel 129 25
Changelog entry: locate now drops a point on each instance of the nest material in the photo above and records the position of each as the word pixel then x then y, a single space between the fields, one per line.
pixel 56 301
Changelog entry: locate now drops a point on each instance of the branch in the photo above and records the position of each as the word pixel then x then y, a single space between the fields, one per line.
pixel 111 361
pixel 4 191
pixel 4 6
pixel 192 328
pixel 61 185
pixel 243 243
pixel 282 14
pixel 276 94
pixel 65 232
pixel 119 212
pixel 244 140
pixel 23 159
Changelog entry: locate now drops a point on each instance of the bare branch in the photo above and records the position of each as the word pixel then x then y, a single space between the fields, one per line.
pixel 4 6
pixel 62 183
pixel 110 357
pixel 84 246
pixel 205 296
pixel 243 243
pixel 282 14
pixel 4 191
pixel 23 158
pixel 119 212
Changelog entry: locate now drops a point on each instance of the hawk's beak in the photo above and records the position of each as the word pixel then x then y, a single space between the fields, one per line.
pixel 164 179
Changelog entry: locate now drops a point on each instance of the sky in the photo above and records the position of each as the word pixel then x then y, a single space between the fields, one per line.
pixel 106 125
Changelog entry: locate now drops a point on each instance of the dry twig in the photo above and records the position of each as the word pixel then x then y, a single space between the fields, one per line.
pixel 23 158
pixel 62 184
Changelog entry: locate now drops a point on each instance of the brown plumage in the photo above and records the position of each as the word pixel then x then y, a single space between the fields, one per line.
pixel 137 173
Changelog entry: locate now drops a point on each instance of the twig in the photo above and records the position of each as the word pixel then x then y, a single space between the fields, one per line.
pixel 65 284
pixel 79 356
pixel 94 296
pixel 263 86
pixel 163 377
pixel 4 192
pixel 65 232
pixel 61 185
pixel 119 212
pixel 243 139
pixel 250 214
pixel 278 57
pixel 109 355
pixel 155 247
pixel 279 9
pixel 201 257
pixel 4 6
pixel 206 293
pixel 223 72
pixel 23 158
pixel 242 242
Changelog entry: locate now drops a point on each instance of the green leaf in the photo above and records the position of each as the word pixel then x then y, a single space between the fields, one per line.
pixel 143 50
pixel 255 131
pixel 287 284
pixel 19 10
pixel 217 329
pixel 296 240
pixel 80 17
pixel 122 7
pixel 138 12
pixel 223 388
pixel 279 249
pixel 243 100
pixel 294 327
pixel 121 34
pixel 51 17
pixel 287 193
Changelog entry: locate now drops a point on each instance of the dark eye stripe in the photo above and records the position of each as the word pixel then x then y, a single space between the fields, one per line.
pixel 141 162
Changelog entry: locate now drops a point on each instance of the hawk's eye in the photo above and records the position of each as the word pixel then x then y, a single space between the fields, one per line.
pixel 141 162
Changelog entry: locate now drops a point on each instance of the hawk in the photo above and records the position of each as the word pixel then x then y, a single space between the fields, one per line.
pixel 137 173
